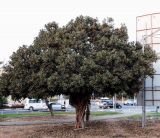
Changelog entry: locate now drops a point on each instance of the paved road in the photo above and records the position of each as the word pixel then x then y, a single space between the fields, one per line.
pixel 94 108
pixel 13 111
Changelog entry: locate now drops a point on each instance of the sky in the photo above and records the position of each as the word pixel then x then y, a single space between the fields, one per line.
pixel 21 20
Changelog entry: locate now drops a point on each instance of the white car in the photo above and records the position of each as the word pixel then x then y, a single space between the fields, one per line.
pixel 130 102
pixel 57 106
pixel 34 104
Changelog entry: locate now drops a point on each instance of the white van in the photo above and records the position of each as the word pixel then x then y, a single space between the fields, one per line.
pixel 104 99
pixel 34 104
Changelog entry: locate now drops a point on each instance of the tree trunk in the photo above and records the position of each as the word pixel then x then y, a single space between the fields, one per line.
pixel 87 112
pixel 80 113
pixel 80 101
pixel 49 107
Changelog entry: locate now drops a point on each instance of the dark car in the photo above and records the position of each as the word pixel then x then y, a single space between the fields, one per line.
pixel 109 104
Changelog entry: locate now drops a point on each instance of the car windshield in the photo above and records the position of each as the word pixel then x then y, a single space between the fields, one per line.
pixel 110 102
pixel 106 100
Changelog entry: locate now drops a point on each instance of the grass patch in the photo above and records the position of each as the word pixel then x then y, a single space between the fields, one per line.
pixel 55 113
pixel 148 115
pixel 134 116
pixel 24 115
pixel 33 114
pixel 104 113
pixel 153 114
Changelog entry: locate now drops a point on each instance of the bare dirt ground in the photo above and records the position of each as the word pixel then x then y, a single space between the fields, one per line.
pixel 95 129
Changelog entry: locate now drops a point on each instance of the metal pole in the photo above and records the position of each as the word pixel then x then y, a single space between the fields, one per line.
pixel 115 101
pixel 143 81
pixel 152 91
pixel 122 99
pixel 144 94
pixel 143 105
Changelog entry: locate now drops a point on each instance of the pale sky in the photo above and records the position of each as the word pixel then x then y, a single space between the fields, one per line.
pixel 21 20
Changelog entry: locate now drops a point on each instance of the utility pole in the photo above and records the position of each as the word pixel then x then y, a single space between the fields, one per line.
pixel 122 99
pixel 143 94
pixel 114 101
pixel 143 104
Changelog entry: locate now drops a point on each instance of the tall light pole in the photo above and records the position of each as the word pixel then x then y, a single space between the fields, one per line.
pixel 143 94
pixel 143 104
pixel 143 80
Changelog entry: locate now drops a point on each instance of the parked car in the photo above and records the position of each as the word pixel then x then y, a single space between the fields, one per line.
pixel 103 103
pixel 104 99
pixel 5 105
pixel 20 105
pixel 130 102
pixel 57 106
pixel 13 105
pixel 109 104
pixel 34 104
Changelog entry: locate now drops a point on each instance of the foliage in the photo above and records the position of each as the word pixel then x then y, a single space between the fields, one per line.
pixel 3 100
pixel 80 58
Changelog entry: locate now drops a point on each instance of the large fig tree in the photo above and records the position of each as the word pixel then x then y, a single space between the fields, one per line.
pixel 80 58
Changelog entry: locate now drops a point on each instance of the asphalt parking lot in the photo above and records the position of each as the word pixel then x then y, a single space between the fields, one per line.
pixel 94 108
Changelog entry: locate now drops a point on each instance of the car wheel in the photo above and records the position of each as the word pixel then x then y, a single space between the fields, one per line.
pixel 104 107
pixel 31 108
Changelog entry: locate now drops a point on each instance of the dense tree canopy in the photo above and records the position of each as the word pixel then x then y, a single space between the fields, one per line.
pixel 80 58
